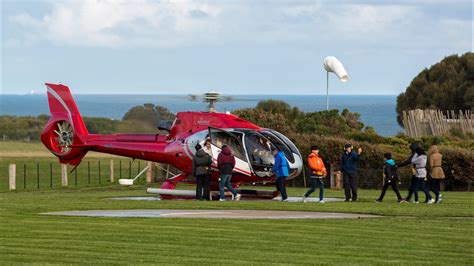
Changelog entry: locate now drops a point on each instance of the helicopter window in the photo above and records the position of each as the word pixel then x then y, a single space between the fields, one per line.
pixel 280 144
pixel 220 139
pixel 292 146
pixel 259 149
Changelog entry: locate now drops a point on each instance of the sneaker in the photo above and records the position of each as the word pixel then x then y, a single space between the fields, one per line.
pixel 431 201
pixel 321 201
pixel 221 199
pixel 347 200
pixel 305 199
pixel 285 200
pixel 403 201
pixel 439 200
pixel 237 197
pixel 416 202
pixel 378 201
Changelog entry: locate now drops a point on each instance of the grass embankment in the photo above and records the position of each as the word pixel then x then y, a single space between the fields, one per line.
pixel 408 234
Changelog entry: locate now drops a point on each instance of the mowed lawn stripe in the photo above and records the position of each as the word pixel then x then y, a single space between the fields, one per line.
pixel 174 237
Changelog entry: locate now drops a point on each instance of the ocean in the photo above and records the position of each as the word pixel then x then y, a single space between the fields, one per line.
pixel 377 111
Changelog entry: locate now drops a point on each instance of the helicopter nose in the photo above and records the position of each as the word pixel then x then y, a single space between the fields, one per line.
pixel 297 166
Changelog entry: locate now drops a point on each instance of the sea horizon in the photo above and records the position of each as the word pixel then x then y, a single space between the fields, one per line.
pixel 377 111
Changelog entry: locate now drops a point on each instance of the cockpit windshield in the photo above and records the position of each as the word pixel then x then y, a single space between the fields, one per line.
pixel 282 146
pixel 258 148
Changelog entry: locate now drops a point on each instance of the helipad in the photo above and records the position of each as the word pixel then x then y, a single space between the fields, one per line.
pixel 228 214
pixel 290 199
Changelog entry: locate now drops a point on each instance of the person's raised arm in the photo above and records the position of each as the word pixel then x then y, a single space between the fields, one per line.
pixel 406 162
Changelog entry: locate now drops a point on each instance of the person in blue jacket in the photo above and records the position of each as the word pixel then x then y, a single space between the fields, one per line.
pixel 281 168
pixel 349 167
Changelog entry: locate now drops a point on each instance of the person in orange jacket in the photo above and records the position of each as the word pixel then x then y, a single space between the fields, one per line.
pixel 318 172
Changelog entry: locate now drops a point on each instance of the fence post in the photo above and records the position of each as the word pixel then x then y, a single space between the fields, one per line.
pixel 50 175
pixel 111 171
pixel 64 175
pixel 120 169
pixel 100 181
pixel 37 175
pixel 149 172
pixel 338 180
pixel 88 173
pixel 12 176
pixel 24 176
pixel 331 176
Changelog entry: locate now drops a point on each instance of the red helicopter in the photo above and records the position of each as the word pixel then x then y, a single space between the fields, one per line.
pixel 67 137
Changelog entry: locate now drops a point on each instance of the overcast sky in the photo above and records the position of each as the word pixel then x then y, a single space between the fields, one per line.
pixel 236 47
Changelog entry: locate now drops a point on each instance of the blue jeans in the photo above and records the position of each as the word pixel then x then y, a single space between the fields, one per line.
pixel 225 182
pixel 280 184
pixel 416 184
pixel 315 183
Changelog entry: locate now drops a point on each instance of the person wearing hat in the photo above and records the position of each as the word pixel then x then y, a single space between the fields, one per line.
pixel 201 168
pixel 281 168
pixel 317 173
pixel 349 167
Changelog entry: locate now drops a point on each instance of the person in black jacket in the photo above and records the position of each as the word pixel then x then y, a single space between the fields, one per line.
pixel 349 167
pixel 414 179
pixel 201 170
pixel 390 177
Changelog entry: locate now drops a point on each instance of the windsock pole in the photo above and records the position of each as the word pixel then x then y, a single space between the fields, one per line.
pixel 327 90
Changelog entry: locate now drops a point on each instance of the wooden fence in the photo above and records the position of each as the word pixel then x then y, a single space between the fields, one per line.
pixel 34 175
pixel 419 123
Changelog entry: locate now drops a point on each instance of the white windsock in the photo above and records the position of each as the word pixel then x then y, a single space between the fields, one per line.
pixel 332 64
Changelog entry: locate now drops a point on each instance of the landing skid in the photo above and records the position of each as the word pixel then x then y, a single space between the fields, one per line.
pixel 166 193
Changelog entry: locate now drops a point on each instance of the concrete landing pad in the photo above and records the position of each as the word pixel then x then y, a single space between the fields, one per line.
pixel 137 198
pixel 290 199
pixel 232 214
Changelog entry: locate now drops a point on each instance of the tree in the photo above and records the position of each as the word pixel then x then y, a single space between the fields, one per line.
pixel 447 85
pixel 149 114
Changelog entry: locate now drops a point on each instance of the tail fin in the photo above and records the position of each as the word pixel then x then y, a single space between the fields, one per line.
pixel 65 133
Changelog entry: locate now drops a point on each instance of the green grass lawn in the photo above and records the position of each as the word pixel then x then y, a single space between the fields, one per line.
pixel 407 234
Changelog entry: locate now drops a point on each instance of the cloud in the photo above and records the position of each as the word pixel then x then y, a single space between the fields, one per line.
pixel 117 23
pixel 171 23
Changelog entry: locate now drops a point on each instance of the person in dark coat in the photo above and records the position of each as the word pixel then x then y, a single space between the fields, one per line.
pixel 349 167
pixel 201 170
pixel 226 164
pixel 414 180
pixel 390 177
pixel 281 168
